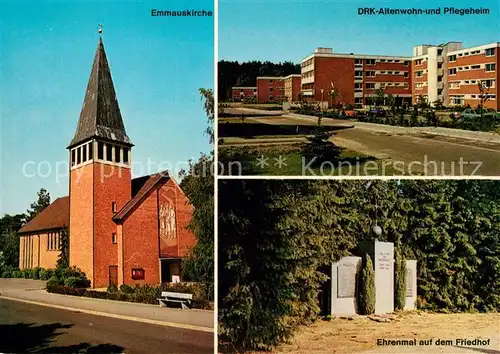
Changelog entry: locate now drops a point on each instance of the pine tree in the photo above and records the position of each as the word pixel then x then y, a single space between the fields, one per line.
pixel 43 201
pixel 63 259
pixel 366 298
pixel 399 282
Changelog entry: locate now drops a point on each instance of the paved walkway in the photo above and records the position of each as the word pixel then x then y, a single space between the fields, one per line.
pixel 32 290
pixel 449 132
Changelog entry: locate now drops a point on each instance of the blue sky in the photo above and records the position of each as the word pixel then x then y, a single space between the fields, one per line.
pixel 290 30
pixel 47 49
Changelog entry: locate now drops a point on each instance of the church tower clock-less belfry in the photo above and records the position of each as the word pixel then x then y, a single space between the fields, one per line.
pixel 100 176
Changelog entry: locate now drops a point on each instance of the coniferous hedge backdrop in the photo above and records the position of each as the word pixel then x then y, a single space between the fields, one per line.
pixel 275 235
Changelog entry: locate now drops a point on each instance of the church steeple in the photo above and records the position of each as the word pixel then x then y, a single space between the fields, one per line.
pixel 100 116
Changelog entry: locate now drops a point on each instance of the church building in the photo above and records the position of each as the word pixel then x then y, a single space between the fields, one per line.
pixel 122 230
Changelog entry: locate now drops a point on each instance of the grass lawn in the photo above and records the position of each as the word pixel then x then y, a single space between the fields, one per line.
pixel 286 160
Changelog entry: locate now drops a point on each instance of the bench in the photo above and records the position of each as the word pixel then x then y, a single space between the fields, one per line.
pixel 178 298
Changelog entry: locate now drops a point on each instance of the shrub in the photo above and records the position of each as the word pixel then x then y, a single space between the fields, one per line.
pixel 126 289
pixel 77 282
pixel 64 273
pixel 112 289
pixel 320 148
pixel 400 282
pixel 35 273
pixel 8 272
pixel 190 288
pixel 55 281
pixel 65 290
pixel 366 298
pixel 96 294
pixel 44 274
pixel 17 274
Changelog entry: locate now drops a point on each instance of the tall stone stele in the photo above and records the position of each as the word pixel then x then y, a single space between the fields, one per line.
pixel 100 175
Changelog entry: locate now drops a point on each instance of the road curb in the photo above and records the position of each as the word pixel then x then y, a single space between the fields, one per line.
pixel 113 315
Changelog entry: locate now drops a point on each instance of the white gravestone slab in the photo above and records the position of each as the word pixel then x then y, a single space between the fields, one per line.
pixel 411 285
pixel 343 286
pixel 384 277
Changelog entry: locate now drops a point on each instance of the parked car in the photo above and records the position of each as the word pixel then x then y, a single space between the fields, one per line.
pixel 476 113
pixel 494 113
pixel 378 112
pixel 351 113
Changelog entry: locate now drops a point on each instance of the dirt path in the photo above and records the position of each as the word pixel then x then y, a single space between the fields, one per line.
pixel 360 335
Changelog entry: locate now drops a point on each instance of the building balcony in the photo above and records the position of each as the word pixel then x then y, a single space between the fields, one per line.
pixel 307 80
pixel 440 85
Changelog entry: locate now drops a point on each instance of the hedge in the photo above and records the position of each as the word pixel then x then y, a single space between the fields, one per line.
pixel 146 294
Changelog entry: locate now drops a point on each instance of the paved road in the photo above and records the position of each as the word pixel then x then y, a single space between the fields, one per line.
pixel 32 290
pixel 31 328
pixel 432 156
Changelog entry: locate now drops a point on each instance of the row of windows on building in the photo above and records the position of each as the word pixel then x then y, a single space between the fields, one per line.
pixel 459 99
pixel 485 83
pixel 53 241
pixel 374 61
pixel 487 67
pixel 489 52
pixel 105 152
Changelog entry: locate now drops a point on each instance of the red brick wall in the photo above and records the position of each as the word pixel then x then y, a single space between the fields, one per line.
pixel 112 184
pixel 171 194
pixel 48 258
pixel 476 75
pixel 296 84
pixel 239 94
pixel 140 242
pixel 340 71
pixel 81 219
pixel 264 93
pixel 415 80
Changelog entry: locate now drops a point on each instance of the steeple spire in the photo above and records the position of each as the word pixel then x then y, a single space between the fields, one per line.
pixel 100 116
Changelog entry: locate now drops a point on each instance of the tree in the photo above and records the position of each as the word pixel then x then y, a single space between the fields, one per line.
pixel 379 94
pixel 366 298
pixel 271 248
pixel 399 281
pixel 41 203
pixel 198 186
pixel 9 239
pixel 63 259
pixel 207 96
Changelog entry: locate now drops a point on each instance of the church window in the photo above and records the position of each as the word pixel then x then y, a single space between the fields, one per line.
pixel 117 154
pixel 113 237
pixel 84 150
pixel 91 151
pixel 109 151
pixel 125 155
pixel 73 157
pixel 113 207
pixel 78 155
pixel 100 150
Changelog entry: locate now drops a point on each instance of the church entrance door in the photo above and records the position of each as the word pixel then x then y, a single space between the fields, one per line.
pixel 113 275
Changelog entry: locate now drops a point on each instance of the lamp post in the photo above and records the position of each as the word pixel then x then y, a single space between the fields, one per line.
pixel 376 229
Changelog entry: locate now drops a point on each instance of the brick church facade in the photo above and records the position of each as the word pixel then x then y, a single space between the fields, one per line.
pixel 121 230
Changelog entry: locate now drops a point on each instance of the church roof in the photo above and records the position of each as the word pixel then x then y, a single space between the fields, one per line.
pixel 147 183
pixel 100 115
pixel 55 216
